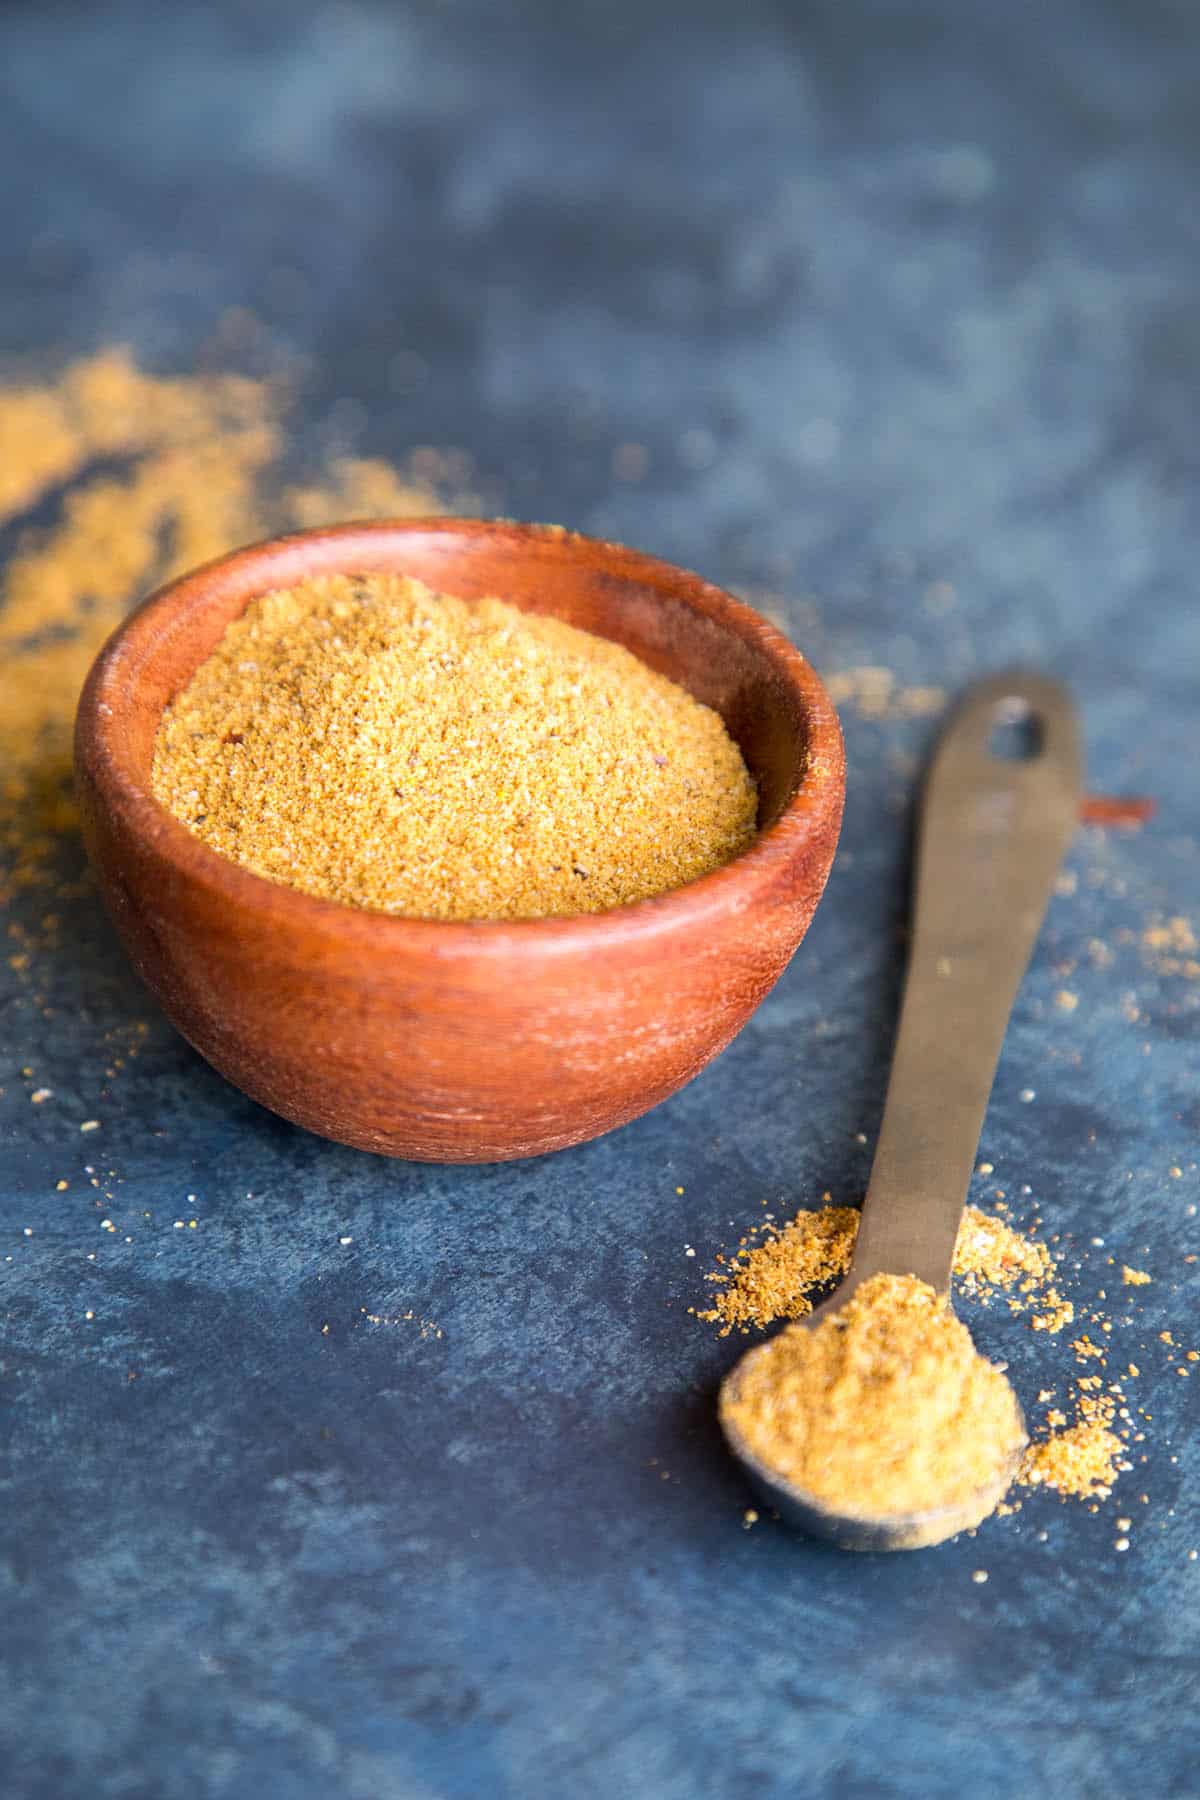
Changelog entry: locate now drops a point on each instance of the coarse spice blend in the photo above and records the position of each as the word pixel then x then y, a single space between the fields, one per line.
pixel 369 741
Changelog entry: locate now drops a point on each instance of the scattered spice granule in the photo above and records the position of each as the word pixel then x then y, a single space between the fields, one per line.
pixel 1065 1000
pixel 1133 1277
pixel 1171 944
pixel 990 1253
pixel 372 742
pixel 875 693
pixel 883 1408
pixel 429 1328
pixel 1170 934
pixel 1080 1462
pixel 1059 1312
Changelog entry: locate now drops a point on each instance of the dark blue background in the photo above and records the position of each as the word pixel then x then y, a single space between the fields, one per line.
pixel 902 303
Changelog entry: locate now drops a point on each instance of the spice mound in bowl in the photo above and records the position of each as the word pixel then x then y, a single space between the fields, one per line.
pixel 882 1410
pixel 456 839
pixel 369 741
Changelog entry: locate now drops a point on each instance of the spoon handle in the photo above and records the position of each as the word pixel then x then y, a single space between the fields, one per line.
pixel 992 831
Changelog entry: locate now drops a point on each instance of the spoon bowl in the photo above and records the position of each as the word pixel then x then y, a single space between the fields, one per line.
pixel 462 1042
pixel 848 1530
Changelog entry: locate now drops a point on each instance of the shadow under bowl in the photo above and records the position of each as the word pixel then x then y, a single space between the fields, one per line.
pixel 479 1041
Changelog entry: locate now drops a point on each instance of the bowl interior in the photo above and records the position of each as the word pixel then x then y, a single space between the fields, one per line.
pixel 720 651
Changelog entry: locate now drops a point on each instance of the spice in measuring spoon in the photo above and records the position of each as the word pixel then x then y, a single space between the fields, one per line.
pixel 884 1408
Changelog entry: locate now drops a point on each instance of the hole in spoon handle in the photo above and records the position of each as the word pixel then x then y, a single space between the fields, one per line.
pixel 1017 733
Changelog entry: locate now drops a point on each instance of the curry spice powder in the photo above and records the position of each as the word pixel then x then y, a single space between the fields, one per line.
pixel 367 740
pixel 885 1407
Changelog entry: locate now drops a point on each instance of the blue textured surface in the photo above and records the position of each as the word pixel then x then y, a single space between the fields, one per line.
pixel 902 303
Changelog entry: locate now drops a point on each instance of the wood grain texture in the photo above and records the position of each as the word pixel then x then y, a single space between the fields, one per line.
pixel 456 1042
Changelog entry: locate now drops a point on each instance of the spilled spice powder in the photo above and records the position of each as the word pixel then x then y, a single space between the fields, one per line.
pixel 774 1279
pixel 365 739
pixel 992 1254
pixel 884 1408
pixel 1079 1462
pixel 151 475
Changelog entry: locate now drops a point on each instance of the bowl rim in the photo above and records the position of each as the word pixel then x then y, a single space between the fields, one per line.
pixel 104 758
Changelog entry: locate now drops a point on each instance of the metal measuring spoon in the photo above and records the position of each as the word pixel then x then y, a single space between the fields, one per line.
pixel 992 832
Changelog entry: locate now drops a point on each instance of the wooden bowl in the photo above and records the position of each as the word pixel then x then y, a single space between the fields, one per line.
pixel 462 1042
